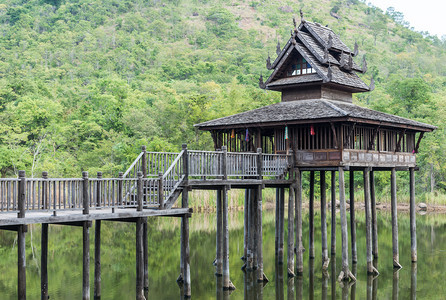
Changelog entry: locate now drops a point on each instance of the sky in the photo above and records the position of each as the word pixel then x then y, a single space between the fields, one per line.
pixel 425 15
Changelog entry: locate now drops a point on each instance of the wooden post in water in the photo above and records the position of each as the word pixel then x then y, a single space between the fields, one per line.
pixel 252 241
pixel 413 225
pixel 325 259
pixel 277 229
pixel 393 205
pixel 259 233
pixel 368 221
pixel 282 224
pixel 185 229
pixel 139 241
pixel 219 236
pixel 145 244
pixel 333 212
pixel 345 272
pixel 21 263
pixel 227 284
pixel 298 214
pixel 311 216
pixel 44 263
pixel 290 249
pixel 245 228
pixel 352 217
pixel 85 239
pixel 97 243
pixel 374 218
pixel 160 191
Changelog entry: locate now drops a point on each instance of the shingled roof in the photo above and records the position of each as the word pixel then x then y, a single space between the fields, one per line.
pixel 323 50
pixel 314 110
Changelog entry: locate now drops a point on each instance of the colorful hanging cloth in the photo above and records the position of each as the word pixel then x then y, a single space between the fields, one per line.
pixel 247 135
pixel 286 132
pixel 232 134
pixel 312 130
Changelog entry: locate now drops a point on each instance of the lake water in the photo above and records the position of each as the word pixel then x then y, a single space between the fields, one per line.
pixel 118 262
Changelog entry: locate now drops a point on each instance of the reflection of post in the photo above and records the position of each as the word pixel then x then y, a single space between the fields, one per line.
pixel 324 285
pixel 219 290
pixel 375 281
pixel 333 277
pixel 353 288
pixel 299 287
pixel 395 288
pixel 311 285
pixel 290 289
pixel 345 288
pixel 413 282
pixel 369 286
pixel 279 281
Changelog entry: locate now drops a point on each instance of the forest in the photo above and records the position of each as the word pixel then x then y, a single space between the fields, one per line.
pixel 83 84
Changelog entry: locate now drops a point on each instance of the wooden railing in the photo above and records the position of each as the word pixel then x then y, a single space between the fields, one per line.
pixel 139 185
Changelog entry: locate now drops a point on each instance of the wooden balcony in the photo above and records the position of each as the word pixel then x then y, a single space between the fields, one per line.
pixel 354 158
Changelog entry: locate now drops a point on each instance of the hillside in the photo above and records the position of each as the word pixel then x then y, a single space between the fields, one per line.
pixel 83 85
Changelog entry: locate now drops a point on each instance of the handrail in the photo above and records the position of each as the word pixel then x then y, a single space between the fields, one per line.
pixel 173 164
pixel 133 164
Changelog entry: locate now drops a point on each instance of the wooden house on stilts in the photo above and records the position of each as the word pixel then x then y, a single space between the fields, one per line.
pixel 323 131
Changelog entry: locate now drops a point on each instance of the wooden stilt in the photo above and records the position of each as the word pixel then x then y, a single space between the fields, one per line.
pixel 345 272
pixel 44 263
pixel 245 227
pixel 277 229
pixel 298 214
pixel 250 252
pixel 413 282
pixel 145 244
pixel 311 216
pixel 300 287
pixel 219 236
pixel 21 259
pixel 353 286
pixel 393 203
pixel 333 276
pixel 413 225
pixel 252 230
pixel 325 278
pixel 186 258
pixel 290 249
pixel 368 221
pixel 227 284
pixel 369 293
pixel 97 260
pixel 311 279
pixel 325 259
pixel 259 234
pixel 139 260
pixel 333 212
pixel 395 284
pixel 278 281
pixel 374 218
pixel 86 261
pixel 352 217
pixel 281 223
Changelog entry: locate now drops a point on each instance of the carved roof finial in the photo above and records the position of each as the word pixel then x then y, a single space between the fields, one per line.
pixel 372 84
pixel 262 85
pixel 278 50
pixel 295 24
pixel 330 41
pixel 342 60
pixel 350 62
pixel 325 55
pixel 355 52
pixel 364 65
pixel 268 63
pixel 302 16
pixel 329 75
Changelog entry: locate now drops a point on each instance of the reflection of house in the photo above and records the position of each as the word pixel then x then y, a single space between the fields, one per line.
pixel 317 120
pixel 316 75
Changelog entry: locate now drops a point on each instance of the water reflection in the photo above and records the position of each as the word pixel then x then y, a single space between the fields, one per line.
pixel 279 281
pixel 396 279
pixel 413 282
pixel 253 289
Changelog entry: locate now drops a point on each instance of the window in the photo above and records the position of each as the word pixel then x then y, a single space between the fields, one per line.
pixel 300 67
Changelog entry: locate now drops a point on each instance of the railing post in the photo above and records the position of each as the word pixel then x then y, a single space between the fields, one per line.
pixel 259 163
pixel 45 190
pixel 160 191
pixel 85 194
pixel 185 162
pixel 139 191
pixel 98 190
pixel 223 162
pixel 22 196
pixel 144 161
pixel 291 164
pixel 120 176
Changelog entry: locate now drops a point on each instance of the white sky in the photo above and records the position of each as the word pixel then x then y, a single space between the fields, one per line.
pixel 425 15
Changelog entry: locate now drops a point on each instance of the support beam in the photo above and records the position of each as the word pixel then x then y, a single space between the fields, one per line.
pixel 21 264
pixel 227 284
pixel 281 223
pixel 298 214
pixel 352 217
pixel 368 221
pixel 345 272
pixel 259 233
pixel 413 225
pixel 86 261
pixel 44 263
pixel 333 212
pixel 219 236
pixel 325 259
pixel 311 216
pixel 252 261
pixel 277 229
pixel 139 260
pixel 393 205
pixel 145 244
pixel 245 228
pixel 374 218
pixel 185 239
pixel 290 249
pixel 97 260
